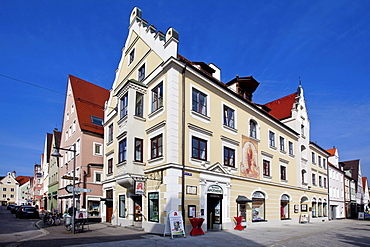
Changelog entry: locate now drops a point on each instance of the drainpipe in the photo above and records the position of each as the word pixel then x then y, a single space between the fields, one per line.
pixel 183 144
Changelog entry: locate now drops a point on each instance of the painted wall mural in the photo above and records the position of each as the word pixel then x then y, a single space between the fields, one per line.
pixel 249 164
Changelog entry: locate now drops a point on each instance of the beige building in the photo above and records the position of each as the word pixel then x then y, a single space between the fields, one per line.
pixel 177 138
pixel 9 188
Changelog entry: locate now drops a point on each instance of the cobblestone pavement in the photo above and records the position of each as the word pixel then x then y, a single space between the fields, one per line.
pixel 332 233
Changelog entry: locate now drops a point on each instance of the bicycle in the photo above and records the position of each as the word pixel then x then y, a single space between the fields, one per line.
pixel 48 220
pixel 56 220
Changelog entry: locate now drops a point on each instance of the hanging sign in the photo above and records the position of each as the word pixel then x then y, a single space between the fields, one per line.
pixel 139 187
pixel 175 224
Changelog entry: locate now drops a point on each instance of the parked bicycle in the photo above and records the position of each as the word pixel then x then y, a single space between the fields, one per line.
pixel 51 219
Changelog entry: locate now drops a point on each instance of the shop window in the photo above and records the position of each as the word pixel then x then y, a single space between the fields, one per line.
pixel 153 204
pixel 93 208
pixel 284 207
pixel 122 206
pixel 314 209
pixel 319 209
pixel 325 209
pixel 258 206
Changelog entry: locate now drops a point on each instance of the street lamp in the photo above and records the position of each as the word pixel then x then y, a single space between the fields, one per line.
pixel 57 154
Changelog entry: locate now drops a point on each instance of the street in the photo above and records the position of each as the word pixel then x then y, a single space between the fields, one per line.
pixel 24 232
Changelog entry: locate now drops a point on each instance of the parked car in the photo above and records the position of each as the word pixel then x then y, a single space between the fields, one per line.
pixel 14 209
pixel 27 212
pixel 10 206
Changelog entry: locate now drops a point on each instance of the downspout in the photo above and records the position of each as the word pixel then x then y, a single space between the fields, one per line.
pixel 183 143
pixel 328 176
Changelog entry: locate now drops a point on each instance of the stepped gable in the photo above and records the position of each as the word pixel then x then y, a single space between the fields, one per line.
pixel 282 108
pixel 89 101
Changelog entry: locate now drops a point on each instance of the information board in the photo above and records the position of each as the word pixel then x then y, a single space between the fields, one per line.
pixel 174 224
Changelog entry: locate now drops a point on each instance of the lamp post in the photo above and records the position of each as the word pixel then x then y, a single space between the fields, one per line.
pixel 57 154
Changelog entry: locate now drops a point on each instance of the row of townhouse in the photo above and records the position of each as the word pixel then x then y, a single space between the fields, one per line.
pixel 15 189
pixel 169 135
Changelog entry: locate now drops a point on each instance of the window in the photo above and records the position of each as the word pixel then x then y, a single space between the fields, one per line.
pixel 98 149
pixel 4 189
pixel 314 209
pixel 258 206
pixel 282 144
pixel 314 179
pixel 283 173
pixel 266 168
pixel 138 150
pixel 78 146
pixel 153 204
pixel 229 117
pixel 272 139
pixel 253 129
pixel 124 105
pixel 199 102
pixel 320 181
pixel 4 195
pixel 110 166
pixel 12 196
pixel 302 130
pixel 291 148
pixel 110 133
pixel 132 56
pixel 319 160
pixel 325 209
pixel 72 109
pixel 122 206
pixel 156 147
pixel 324 163
pixel 304 176
pixel 74 126
pixel 324 182
pixel 93 208
pixel 122 145
pixel 141 73
pixel 98 177
pixel 157 97
pixel 12 189
pixel 96 120
pixel 284 207
pixel 229 157
pixel 139 105
pixel 313 158
pixel 67 136
pixel 199 148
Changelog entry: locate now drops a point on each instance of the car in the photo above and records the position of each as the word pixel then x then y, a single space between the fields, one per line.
pixel 14 209
pixel 27 212
pixel 10 206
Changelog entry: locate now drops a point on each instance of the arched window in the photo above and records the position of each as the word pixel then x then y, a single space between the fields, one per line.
pixel 258 206
pixel 304 174
pixel 303 152
pixel 319 208
pixel 284 207
pixel 325 208
pixel 304 202
pixel 253 129
pixel 314 208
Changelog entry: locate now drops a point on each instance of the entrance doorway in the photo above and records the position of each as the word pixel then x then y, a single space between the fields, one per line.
pixel 214 211
pixel 137 210
pixel 109 211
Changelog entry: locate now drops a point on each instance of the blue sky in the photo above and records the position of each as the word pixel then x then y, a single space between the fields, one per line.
pixel 325 43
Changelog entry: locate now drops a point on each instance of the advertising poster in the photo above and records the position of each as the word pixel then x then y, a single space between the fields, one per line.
pixel 249 164
pixel 175 223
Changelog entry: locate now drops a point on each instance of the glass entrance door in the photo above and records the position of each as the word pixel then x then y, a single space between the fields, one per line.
pixel 214 211
pixel 137 208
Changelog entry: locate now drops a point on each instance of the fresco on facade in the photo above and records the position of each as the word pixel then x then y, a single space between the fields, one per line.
pixel 249 164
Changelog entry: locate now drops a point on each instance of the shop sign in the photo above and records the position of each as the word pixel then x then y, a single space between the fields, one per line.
pixel 139 187
pixel 215 189
pixel 175 224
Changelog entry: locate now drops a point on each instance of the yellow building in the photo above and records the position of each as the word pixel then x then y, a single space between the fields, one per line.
pixel 9 187
pixel 177 138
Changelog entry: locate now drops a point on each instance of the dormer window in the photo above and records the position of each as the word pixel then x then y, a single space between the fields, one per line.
pixel 97 120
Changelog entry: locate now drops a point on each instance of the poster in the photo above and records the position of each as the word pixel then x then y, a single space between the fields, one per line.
pixel 249 164
pixel 176 223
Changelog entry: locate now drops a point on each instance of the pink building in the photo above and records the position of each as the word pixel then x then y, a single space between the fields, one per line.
pixel 82 129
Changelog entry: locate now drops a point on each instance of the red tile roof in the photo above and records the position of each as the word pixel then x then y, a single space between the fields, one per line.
pixel 331 151
pixel 282 108
pixel 89 101
pixel 22 179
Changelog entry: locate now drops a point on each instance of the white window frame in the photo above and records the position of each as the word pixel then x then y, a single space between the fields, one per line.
pixel 95 144
pixel 203 118
pixel 101 177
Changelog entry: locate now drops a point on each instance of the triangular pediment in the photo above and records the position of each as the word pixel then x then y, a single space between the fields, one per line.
pixel 218 168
